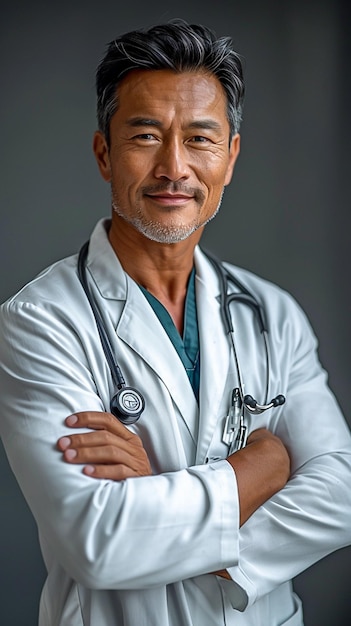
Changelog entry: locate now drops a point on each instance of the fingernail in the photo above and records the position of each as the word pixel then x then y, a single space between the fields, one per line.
pixel 70 454
pixel 89 469
pixel 65 442
pixel 71 420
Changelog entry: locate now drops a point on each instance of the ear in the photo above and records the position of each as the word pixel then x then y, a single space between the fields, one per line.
pixel 233 155
pixel 102 156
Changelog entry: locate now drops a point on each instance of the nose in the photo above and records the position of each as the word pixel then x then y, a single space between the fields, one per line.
pixel 172 161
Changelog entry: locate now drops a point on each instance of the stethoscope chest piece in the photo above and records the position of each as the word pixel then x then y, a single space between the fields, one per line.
pixel 127 405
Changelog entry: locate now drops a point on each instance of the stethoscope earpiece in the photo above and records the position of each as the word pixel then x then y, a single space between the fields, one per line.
pixel 249 401
pixel 280 399
pixel 255 408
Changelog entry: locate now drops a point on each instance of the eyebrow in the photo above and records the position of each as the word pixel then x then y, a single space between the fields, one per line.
pixel 207 124
pixel 142 121
pixel 204 124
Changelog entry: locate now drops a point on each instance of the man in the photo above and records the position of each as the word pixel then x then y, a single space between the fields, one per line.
pixel 159 522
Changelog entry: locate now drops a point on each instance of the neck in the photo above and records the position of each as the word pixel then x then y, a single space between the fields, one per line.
pixel 162 269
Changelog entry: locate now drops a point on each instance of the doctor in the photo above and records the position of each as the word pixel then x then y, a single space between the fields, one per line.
pixel 157 523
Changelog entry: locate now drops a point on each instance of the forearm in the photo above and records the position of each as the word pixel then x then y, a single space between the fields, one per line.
pixel 301 524
pixel 262 468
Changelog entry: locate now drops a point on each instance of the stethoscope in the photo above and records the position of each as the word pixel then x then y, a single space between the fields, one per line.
pixel 127 403
pixel 235 431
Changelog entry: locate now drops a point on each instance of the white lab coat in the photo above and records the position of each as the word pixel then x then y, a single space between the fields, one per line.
pixel 138 552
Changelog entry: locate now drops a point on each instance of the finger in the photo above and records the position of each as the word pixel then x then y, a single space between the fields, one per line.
pixel 96 420
pixel 109 455
pixel 97 438
pixel 110 472
pixel 106 454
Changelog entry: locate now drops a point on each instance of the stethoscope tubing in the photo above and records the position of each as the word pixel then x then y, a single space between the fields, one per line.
pixel 245 297
pixel 116 371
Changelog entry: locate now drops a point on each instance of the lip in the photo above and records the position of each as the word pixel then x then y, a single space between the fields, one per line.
pixel 169 199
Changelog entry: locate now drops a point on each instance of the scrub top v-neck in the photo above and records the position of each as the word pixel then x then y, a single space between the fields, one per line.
pixel 187 346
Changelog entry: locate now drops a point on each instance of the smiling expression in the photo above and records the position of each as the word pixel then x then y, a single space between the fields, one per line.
pixel 170 154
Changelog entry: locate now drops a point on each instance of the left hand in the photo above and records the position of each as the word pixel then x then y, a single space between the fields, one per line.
pixel 109 451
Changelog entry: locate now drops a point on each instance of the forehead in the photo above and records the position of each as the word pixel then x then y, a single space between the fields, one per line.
pixel 166 92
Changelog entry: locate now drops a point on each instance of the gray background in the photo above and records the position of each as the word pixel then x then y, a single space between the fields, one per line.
pixel 286 215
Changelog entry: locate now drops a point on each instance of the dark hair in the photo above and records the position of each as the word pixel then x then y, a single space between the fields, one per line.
pixel 177 46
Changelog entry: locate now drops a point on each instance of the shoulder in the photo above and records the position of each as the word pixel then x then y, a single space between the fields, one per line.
pixel 261 288
pixel 60 279
pixel 43 307
pixel 267 293
pixel 51 285
pixel 283 314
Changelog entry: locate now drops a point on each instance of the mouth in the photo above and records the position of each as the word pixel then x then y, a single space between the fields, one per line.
pixel 173 194
pixel 170 199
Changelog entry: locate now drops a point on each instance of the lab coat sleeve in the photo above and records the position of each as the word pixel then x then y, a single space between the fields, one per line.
pixel 310 517
pixel 138 533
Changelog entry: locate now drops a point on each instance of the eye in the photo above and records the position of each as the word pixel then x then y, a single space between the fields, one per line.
pixel 200 139
pixel 145 136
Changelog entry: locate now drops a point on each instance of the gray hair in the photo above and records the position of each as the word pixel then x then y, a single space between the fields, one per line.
pixel 177 46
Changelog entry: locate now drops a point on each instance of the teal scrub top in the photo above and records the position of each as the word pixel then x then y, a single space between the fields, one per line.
pixel 186 346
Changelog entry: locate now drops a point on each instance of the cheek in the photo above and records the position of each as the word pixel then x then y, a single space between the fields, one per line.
pixel 215 188
pixel 130 170
pixel 123 174
pixel 215 183
pixel 214 171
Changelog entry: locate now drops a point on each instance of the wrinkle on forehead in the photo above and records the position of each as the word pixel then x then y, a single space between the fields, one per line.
pixel 168 94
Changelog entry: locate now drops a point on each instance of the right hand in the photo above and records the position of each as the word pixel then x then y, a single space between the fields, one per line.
pixel 109 450
pixel 262 468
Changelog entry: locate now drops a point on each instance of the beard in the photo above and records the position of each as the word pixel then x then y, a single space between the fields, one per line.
pixel 155 230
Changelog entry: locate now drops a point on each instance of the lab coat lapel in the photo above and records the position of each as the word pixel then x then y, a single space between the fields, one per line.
pixel 214 354
pixel 137 324
pixel 143 332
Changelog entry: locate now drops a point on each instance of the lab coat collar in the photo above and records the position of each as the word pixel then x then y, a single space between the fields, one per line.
pixel 104 266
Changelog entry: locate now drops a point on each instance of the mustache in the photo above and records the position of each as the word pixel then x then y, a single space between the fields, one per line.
pixel 174 188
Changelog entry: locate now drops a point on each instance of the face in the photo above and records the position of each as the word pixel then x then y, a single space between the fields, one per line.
pixel 169 157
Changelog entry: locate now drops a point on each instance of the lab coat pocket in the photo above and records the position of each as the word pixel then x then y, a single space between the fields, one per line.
pixel 297 618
